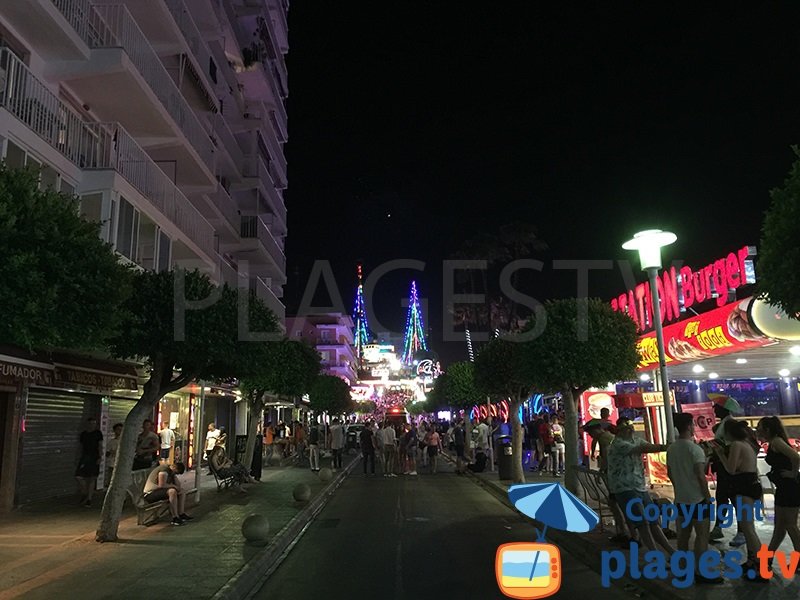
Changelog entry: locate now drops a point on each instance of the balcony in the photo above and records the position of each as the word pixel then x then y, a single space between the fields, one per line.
pixel 30 101
pixel 223 137
pixel 111 148
pixel 269 147
pixel 56 28
pixel 225 212
pixel 258 174
pixel 126 81
pixel 268 297
pixel 254 228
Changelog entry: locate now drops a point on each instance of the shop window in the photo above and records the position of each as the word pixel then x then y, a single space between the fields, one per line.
pixel 757 398
pixel 15 156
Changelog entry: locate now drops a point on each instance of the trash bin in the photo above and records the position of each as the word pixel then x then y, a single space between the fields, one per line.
pixel 504 457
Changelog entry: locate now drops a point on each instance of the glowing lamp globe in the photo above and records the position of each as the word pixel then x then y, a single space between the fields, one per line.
pixel 648 244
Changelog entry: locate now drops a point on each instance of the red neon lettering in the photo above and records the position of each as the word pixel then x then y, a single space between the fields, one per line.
pixel 743 254
pixel 687 287
pixel 632 310
pixel 669 295
pixel 720 282
pixel 640 293
pixel 699 287
pixel 732 273
pixel 614 305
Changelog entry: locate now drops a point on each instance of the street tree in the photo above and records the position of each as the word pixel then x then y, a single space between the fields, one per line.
pixel 330 394
pixel 779 251
pixel 184 328
pixel 585 344
pixel 288 371
pixel 62 285
pixel 461 391
pixel 502 373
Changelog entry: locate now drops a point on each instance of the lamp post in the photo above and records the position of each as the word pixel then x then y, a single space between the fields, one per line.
pixel 649 244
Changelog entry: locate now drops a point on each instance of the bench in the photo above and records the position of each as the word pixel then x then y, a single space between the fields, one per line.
pixel 594 487
pixel 223 483
pixel 147 513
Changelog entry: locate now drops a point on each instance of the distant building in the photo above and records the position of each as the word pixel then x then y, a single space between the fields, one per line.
pixel 332 335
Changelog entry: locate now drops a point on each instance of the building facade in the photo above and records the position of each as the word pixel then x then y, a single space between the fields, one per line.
pixel 167 119
pixel 332 335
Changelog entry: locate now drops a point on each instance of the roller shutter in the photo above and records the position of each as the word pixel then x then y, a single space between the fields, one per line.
pixel 50 447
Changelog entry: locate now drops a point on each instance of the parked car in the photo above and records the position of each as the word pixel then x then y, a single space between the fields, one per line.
pixel 352 437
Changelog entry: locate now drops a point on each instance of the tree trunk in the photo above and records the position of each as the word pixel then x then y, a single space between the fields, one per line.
pixel 570 440
pixel 255 405
pixel 517 472
pixel 121 478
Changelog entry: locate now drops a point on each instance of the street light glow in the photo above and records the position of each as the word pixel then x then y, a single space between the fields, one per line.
pixel 649 243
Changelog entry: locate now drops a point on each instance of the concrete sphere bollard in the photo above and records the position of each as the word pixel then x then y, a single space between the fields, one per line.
pixel 325 475
pixel 255 529
pixel 301 492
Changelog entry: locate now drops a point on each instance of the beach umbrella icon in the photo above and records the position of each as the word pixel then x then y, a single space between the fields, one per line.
pixel 553 506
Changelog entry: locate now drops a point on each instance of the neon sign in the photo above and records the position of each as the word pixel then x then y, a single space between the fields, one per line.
pixel 680 290
pixel 483 411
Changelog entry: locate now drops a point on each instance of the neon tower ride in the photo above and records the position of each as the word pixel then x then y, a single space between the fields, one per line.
pixel 415 332
pixel 361 328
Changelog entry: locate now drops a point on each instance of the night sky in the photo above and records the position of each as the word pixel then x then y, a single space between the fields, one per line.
pixel 413 126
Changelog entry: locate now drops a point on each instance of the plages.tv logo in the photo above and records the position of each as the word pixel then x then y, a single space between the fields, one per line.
pixel 528 570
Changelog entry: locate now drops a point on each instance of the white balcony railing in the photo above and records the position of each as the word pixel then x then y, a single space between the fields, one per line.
pixel 77 12
pixel 28 99
pixel 227 206
pixel 255 167
pixel 254 227
pixel 223 135
pixel 112 26
pixel 114 148
pixel 191 34
pixel 265 293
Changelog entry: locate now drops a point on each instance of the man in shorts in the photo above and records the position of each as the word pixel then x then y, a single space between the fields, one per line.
pixel 626 481
pixel 163 484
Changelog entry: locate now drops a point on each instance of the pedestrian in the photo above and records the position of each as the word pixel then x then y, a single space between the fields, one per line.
pixel 269 442
pixel 559 448
pixel 606 424
pixel 111 452
pixel 89 462
pixel 167 439
pixel 412 441
pixel 433 441
pixel 336 443
pixel 739 457
pixel 626 481
pixel 784 463
pixel 686 467
pixel 389 438
pixel 546 436
pixel 299 434
pixel 313 447
pixel 212 435
pixel 163 484
pixel 537 451
pixel 367 440
pixel 147 446
pixel 459 438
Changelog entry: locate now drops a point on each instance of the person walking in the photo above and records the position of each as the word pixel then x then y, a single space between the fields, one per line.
pixel 686 467
pixel 89 462
pixel 411 440
pixel 559 448
pixel 739 458
pixel 269 442
pixel 459 439
pixel 389 450
pixel 784 463
pixel 167 443
pixel 367 440
pixel 433 442
pixel 313 447
pixel 336 443
pixel 546 437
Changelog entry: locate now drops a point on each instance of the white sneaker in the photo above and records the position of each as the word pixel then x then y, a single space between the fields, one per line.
pixel 413 473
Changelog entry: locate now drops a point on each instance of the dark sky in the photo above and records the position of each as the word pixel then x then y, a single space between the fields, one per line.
pixel 590 122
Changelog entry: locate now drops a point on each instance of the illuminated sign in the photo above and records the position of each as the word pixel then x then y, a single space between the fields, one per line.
pixel 714 333
pixel 493 410
pixel 683 289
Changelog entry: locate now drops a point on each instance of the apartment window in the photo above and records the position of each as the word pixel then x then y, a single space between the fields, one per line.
pixel 15 156
pixel 164 251
pixel 67 188
pixel 146 248
pixel 325 335
pixel 127 229
pixel 48 178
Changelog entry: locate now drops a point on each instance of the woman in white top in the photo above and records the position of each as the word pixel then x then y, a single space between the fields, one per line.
pixel 559 448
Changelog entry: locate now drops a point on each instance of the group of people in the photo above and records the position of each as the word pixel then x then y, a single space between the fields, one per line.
pixel 545 439
pixel 732 455
pixel 400 447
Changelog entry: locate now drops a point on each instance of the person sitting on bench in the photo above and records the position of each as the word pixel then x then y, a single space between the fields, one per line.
pixel 226 468
pixel 162 484
pixel 480 462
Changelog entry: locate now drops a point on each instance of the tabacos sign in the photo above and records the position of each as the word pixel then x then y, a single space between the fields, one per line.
pixel 684 288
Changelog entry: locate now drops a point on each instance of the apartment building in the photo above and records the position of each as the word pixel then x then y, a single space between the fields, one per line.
pixel 332 335
pixel 167 119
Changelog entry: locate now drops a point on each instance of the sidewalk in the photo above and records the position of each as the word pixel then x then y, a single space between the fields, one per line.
pixel 49 550
pixel 589 546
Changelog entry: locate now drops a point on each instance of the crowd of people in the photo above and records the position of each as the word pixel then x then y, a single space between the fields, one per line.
pixel 732 455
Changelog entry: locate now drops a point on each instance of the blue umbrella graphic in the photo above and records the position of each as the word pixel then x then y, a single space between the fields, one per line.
pixel 553 506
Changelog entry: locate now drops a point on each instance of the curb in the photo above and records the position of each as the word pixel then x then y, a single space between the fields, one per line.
pixel 247 580
pixel 588 554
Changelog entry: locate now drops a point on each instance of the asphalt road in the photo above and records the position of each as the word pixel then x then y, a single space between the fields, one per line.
pixel 430 536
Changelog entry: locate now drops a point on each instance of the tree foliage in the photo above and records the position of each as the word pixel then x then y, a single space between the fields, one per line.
pixel 184 328
pixel 458 386
pixel 330 394
pixel 62 285
pixel 585 344
pixel 289 370
pixel 779 252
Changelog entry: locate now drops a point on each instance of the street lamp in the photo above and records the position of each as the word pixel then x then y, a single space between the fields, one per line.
pixel 649 244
